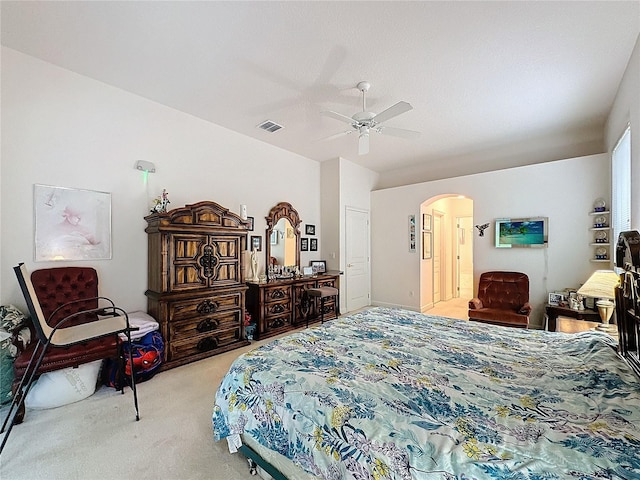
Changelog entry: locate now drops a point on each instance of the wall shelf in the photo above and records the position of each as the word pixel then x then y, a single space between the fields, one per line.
pixel 600 226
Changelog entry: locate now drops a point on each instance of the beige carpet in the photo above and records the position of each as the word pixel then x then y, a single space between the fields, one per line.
pixel 454 308
pixel 99 439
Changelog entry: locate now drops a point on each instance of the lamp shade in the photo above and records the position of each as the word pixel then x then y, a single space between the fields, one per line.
pixel 601 284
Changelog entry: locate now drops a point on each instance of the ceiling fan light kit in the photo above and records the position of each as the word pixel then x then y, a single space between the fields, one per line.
pixel 363 122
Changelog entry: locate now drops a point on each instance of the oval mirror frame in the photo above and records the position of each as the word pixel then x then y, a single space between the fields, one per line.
pixel 282 210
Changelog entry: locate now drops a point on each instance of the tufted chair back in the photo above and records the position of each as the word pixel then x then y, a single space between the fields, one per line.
pixel 503 290
pixel 58 286
pixel 503 299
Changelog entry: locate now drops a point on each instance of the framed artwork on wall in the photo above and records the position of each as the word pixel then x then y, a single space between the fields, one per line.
pixel 313 244
pixel 426 221
pixel 310 229
pixel 412 233
pixel 304 244
pixel 71 224
pixel 426 245
pixel 256 243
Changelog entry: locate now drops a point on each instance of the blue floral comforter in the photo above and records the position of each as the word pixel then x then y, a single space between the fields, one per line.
pixel 394 394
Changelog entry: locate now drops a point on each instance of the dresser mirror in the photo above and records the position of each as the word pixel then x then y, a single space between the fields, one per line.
pixel 282 238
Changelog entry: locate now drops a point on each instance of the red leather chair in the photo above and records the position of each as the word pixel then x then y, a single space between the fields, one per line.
pixel 503 299
pixel 55 287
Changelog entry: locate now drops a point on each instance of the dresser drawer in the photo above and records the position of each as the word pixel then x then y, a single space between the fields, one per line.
pixel 277 293
pixel 329 282
pixel 204 325
pixel 277 308
pixel 202 344
pixel 276 322
pixel 203 306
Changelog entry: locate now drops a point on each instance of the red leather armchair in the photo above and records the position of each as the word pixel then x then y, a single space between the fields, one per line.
pixel 55 287
pixel 503 299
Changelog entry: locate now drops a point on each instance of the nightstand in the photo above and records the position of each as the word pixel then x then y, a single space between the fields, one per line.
pixel 555 311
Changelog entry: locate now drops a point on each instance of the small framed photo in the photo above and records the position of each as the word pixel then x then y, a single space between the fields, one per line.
pixel 557 299
pixel 304 244
pixel 426 221
pixel 426 245
pixel 319 266
pixel 313 244
pixel 249 222
pixel 307 271
pixel 256 243
pixel 412 233
pixel 310 229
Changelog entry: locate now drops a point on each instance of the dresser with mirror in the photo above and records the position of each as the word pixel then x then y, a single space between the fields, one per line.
pixel 279 304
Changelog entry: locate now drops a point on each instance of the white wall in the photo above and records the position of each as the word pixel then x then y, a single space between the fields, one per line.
pixel 344 184
pixel 563 190
pixel 626 109
pixel 63 129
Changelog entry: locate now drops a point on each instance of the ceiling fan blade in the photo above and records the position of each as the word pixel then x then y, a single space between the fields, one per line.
pixel 397 132
pixel 335 135
pixel 392 111
pixel 363 144
pixel 337 116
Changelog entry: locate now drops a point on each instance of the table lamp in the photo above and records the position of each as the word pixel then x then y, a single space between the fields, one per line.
pixel 601 286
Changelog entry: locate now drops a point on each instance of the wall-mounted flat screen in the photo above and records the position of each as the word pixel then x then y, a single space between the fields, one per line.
pixel 522 232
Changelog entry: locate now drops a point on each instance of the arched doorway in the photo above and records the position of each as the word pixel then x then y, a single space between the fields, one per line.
pixel 446 263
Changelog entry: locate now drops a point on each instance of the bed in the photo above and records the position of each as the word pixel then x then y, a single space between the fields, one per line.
pixel 395 394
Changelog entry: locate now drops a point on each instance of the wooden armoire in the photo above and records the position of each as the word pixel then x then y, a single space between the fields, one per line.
pixel 196 288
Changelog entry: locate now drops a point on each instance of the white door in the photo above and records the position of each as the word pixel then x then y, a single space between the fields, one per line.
pixel 357 278
pixel 437 258
pixel 464 258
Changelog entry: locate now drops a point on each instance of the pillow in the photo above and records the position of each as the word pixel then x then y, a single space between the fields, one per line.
pixel 6 367
pixel 10 318
pixel 61 387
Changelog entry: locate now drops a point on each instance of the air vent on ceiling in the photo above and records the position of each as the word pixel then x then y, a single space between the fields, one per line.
pixel 270 126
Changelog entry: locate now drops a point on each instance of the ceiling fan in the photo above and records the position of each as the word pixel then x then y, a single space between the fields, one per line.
pixel 365 122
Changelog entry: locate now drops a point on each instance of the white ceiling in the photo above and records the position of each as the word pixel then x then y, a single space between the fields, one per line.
pixel 492 84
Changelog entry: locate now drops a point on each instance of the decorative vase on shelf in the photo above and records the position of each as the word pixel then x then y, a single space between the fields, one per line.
pixel 599 205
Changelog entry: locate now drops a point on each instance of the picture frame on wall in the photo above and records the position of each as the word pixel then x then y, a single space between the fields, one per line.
pixel 426 221
pixel 256 243
pixel 249 221
pixel 310 229
pixel 426 245
pixel 412 233
pixel 71 224
pixel 304 244
pixel 313 244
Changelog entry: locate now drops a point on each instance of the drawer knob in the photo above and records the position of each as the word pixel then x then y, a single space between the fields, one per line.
pixel 277 309
pixel 277 294
pixel 207 325
pixel 207 344
pixel 207 307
